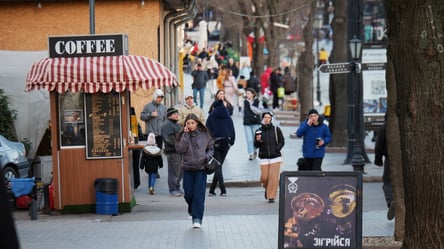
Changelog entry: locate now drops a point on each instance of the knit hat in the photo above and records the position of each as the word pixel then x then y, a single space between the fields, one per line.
pixel 313 111
pixel 171 111
pixel 158 93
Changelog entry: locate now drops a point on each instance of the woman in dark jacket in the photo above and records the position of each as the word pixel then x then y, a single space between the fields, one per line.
pixel 195 143
pixel 251 119
pixel 221 126
pixel 270 141
pixel 220 95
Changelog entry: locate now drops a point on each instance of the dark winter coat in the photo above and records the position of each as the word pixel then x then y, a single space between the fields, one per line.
pixel 220 124
pixel 272 141
pixel 196 147
pixel 251 118
pixel 200 78
pixel 169 133
pixel 151 164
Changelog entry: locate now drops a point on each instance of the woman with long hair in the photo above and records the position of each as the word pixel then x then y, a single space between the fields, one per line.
pixel 220 95
pixel 195 143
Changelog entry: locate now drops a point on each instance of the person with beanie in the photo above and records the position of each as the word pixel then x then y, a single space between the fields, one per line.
pixel 151 164
pixel 316 135
pixel 190 107
pixel 221 127
pixel 169 133
pixel 270 141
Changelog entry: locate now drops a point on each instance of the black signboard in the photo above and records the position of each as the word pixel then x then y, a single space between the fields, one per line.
pixel 88 45
pixel 103 125
pixel 320 210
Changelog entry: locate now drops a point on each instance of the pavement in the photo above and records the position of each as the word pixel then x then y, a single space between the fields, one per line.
pixel 242 219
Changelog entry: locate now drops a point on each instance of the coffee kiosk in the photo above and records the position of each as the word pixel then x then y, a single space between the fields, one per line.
pixel 90 78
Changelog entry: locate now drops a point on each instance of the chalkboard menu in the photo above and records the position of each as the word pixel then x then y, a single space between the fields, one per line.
pixel 103 125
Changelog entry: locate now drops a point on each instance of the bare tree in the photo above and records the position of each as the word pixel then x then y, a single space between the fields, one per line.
pixel 338 82
pixel 415 95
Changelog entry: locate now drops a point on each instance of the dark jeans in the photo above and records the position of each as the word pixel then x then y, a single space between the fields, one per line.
pixel 313 164
pixel 275 100
pixel 194 186
pixel 218 177
pixel 386 185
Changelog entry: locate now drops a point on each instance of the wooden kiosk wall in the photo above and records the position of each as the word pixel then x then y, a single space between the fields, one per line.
pixel 74 174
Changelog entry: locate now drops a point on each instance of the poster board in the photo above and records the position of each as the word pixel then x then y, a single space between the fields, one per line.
pixel 103 125
pixel 320 210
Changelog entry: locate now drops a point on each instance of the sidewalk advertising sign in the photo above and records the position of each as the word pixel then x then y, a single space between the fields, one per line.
pixel 373 77
pixel 320 210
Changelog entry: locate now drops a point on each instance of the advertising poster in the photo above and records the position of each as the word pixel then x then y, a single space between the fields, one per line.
pixel 320 210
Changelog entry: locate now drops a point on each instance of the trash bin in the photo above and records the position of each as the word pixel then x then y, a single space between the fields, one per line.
pixel 106 196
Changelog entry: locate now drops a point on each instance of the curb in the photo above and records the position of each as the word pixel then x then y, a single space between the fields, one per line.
pixel 246 184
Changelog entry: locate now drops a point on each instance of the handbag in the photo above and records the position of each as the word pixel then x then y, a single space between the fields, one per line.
pixel 281 92
pixel 152 150
pixel 211 165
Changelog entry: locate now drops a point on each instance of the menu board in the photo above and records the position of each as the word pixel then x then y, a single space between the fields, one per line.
pixel 103 125
pixel 320 210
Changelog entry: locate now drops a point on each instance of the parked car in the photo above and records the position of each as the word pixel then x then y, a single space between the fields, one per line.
pixel 13 161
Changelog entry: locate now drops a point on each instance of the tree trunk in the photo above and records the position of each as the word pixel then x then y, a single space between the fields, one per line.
pixel 338 82
pixel 415 49
pixel 394 145
pixel 305 67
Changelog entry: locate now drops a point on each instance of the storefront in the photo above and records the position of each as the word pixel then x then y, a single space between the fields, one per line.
pixel 90 79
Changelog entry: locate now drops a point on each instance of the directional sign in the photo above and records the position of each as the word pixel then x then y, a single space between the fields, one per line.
pixel 374 66
pixel 335 68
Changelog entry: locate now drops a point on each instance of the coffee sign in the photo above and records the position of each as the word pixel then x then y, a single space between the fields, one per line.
pixel 88 45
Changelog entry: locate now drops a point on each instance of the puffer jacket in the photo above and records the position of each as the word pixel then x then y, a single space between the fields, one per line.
pixel 270 146
pixel 196 147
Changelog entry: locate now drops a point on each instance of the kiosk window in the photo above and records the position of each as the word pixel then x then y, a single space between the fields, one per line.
pixel 72 119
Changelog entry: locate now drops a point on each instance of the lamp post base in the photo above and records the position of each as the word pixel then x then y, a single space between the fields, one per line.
pixel 358 161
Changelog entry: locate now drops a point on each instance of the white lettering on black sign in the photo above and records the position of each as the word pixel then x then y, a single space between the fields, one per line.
pixel 88 45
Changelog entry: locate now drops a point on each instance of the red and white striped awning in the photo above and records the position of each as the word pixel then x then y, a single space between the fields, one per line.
pixel 98 74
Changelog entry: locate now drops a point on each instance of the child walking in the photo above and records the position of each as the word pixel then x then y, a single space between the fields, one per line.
pixel 151 163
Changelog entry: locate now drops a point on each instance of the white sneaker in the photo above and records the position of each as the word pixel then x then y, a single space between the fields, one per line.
pixel 196 225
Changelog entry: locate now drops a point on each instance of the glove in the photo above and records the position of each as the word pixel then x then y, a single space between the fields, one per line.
pixel 379 163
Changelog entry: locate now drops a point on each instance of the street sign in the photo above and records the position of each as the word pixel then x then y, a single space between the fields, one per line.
pixel 373 66
pixel 335 68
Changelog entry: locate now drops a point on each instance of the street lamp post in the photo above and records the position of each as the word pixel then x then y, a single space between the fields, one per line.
pixel 357 160
pixel 318 85
pixel 318 26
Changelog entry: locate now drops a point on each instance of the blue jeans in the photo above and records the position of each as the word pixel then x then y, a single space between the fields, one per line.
pixel 194 186
pixel 201 92
pixel 152 179
pixel 249 135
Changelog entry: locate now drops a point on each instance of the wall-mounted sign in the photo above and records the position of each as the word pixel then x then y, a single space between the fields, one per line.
pixel 320 210
pixel 103 132
pixel 88 45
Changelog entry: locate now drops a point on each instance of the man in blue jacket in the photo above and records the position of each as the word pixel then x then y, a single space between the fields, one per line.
pixel 316 136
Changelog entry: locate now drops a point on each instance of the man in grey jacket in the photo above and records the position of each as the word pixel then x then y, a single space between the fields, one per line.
pixel 154 115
